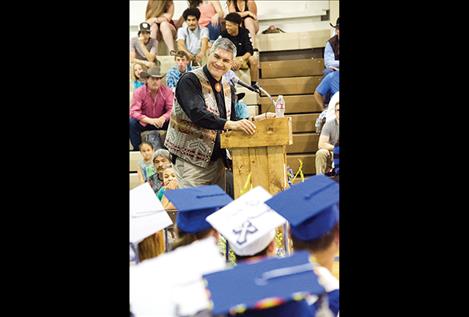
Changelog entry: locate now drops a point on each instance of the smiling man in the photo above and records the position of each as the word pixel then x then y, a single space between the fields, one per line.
pixel 203 107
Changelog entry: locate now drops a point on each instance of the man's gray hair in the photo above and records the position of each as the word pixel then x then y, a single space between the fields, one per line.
pixel 224 44
pixel 162 152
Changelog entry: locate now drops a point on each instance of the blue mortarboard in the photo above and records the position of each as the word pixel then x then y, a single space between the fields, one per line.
pixel 195 204
pixel 310 207
pixel 263 285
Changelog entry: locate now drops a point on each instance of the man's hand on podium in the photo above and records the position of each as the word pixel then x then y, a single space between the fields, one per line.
pixel 265 115
pixel 242 125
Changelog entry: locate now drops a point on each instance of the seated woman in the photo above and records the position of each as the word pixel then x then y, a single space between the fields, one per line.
pixel 159 14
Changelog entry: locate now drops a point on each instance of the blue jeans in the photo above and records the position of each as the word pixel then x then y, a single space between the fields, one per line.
pixel 135 128
pixel 213 31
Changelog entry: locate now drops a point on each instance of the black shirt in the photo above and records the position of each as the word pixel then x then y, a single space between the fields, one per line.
pixel 242 41
pixel 189 96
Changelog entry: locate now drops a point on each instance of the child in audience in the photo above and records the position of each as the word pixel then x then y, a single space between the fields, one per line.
pixel 137 69
pixel 169 182
pixel 146 168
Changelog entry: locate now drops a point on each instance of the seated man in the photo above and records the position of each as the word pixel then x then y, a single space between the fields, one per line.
pixel 175 72
pixel 242 39
pixel 143 48
pixel 328 138
pixel 193 40
pixel 328 87
pixel 331 51
pixel 151 106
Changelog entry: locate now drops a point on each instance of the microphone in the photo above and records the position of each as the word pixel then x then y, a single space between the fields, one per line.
pixel 235 80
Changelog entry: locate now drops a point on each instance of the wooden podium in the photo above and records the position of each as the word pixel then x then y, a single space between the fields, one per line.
pixel 262 155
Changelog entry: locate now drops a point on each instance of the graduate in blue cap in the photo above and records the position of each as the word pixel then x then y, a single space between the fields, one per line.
pixel 269 288
pixel 312 209
pixel 193 205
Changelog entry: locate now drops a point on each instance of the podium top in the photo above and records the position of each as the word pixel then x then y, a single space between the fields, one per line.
pixel 269 132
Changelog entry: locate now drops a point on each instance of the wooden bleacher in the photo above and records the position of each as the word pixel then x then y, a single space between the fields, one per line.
pixel 292 66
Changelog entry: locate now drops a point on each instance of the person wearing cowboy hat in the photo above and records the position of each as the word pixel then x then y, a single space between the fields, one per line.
pixel 331 51
pixel 143 49
pixel 151 106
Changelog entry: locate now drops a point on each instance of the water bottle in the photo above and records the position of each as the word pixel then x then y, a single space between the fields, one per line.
pixel 280 106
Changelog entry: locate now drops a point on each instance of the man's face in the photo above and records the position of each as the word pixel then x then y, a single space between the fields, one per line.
pixel 154 83
pixel 232 28
pixel 219 62
pixel 191 22
pixel 182 63
pixel 145 36
pixel 160 162
pixel 337 112
pixel 337 32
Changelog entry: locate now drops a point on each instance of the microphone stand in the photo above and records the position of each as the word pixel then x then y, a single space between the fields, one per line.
pixel 267 94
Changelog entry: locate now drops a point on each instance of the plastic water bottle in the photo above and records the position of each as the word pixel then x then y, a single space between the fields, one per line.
pixel 280 106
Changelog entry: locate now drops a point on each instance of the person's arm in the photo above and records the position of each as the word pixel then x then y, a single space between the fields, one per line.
pixel 189 96
pixel 252 7
pixel 171 80
pixel 329 57
pixel 168 104
pixel 148 55
pixel 133 55
pixel 325 137
pixel 204 44
pixel 220 14
pixel 181 42
pixel 140 175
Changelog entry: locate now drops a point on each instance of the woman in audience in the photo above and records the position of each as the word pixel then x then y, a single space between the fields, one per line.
pixel 159 15
pixel 137 69
pixel 248 12
pixel 145 166
pixel 211 16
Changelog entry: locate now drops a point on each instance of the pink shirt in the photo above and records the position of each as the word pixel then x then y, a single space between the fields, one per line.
pixel 143 105
pixel 207 11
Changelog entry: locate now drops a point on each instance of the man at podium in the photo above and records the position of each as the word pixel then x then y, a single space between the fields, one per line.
pixel 203 107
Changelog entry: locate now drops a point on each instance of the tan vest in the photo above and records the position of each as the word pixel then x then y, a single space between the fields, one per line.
pixel 189 141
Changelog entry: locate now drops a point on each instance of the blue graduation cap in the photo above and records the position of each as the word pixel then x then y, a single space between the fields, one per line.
pixel 310 207
pixel 263 285
pixel 195 204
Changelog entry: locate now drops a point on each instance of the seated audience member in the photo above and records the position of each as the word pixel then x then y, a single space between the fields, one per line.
pixel 328 87
pixel 151 106
pixel 143 49
pixel 331 51
pixel 247 10
pixel 161 160
pixel 169 182
pixel 175 72
pixel 137 69
pixel 145 166
pixel 240 37
pixel 314 227
pixel 211 16
pixel 193 205
pixel 193 39
pixel 328 138
pixel 241 108
pixel 159 14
